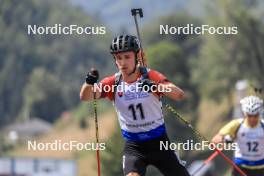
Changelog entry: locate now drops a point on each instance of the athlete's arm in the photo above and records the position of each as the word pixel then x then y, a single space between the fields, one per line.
pixel 102 89
pixel 218 138
pixel 171 91
pixel 165 87
pixel 228 129
pixel 87 92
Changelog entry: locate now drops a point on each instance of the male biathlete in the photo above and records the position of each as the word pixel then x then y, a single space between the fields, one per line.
pixel 248 133
pixel 138 107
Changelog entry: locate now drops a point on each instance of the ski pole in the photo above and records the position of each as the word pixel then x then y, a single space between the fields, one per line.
pixel 205 162
pixel 96 134
pixel 231 162
pixel 201 137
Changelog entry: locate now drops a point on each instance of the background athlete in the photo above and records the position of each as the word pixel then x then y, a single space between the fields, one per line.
pixel 248 133
pixel 139 112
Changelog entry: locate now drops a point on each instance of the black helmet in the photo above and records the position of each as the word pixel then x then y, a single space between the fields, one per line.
pixel 123 43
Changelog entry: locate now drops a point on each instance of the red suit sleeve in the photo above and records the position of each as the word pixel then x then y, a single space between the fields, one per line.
pixel 107 87
pixel 158 78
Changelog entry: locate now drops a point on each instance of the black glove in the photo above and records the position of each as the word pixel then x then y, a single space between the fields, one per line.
pixel 147 85
pixel 92 76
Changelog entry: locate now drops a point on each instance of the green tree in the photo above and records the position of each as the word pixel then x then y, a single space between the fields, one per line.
pixel 43 96
pixel 66 57
pixel 225 59
pixel 231 57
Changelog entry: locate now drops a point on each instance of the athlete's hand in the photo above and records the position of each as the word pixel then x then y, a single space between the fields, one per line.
pixel 228 139
pixel 218 139
pixel 147 85
pixel 92 76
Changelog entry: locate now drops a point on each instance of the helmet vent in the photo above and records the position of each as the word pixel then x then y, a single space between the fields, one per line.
pixel 125 43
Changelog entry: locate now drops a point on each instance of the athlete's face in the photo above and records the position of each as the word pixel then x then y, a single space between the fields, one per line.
pixel 125 61
pixel 252 120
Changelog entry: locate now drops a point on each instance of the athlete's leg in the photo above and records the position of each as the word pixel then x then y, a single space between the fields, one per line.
pixel 165 160
pixel 168 164
pixel 134 165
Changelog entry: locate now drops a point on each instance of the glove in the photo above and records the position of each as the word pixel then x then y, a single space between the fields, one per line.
pixel 228 139
pixel 147 85
pixel 92 76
